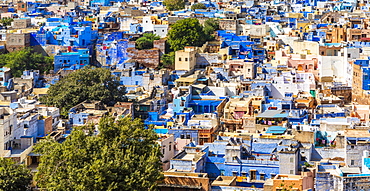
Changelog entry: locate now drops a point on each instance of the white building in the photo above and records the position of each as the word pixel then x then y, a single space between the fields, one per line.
pixel 292 83
pixel 168 147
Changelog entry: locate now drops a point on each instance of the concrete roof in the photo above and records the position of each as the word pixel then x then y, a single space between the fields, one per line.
pixel 186 80
pixel 350 170
pixel 357 133
pixel 273 114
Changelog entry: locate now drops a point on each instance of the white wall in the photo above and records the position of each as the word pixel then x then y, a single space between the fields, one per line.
pixel 168 154
pixel 333 66
pixel 160 30
pixel 147 24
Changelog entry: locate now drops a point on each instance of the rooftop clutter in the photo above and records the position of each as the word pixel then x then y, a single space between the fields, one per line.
pixel 243 95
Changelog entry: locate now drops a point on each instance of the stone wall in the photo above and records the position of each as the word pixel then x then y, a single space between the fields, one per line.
pixel 148 58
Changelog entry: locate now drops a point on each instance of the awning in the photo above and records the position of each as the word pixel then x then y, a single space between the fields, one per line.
pixel 276 130
pixel 273 114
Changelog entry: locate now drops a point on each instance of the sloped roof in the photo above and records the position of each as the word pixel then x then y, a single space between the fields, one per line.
pixel 273 114
pixel 276 130
pixel 266 148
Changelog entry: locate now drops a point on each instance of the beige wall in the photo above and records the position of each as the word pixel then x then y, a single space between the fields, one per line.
pixel 168 150
pixel 185 59
pixel 248 70
pixel 295 182
pixel 313 47
pixel 18 39
pixel 256 30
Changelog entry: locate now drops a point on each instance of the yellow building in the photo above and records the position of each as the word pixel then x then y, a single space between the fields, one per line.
pixel 291 182
pixel 185 59
pixel 185 81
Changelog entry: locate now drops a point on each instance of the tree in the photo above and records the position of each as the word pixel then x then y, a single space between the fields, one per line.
pixel 151 36
pixel 143 43
pixel 210 26
pixel 168 60
pixel 198 6
pixel 84 84
pixel 174 5
pixel 146 42
pixel 123 156
pixel 25 59
pixel 12 176
pixel 5 21
pixel 186 32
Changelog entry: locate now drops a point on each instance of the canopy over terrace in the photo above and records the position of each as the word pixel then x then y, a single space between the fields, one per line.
pixel 276 130
pixel 272 117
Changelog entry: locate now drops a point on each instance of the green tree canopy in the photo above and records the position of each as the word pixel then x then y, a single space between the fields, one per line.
pixel 174 5
pixel 123 156
pixel 84 84
pixel 168 60
pixel 210 26
pixel 186 32
pixel 198 6
pixel 5 21
pixel 146 42
pixel 25 59
pixel 13 177
pixel 151 36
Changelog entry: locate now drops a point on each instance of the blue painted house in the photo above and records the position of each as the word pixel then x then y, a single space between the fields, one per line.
pixel 71 60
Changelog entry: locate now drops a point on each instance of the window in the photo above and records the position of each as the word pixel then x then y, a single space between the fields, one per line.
pixel 272 175
pixel 291 159
pixel 235 173
pixel 352 162
pixel 244 174
pixel 253 175
pixel 291 171
pixel 186 59
pixel 163 151
pixel 262 176
pixel 349 55
pixel 169 148
pixel 180 59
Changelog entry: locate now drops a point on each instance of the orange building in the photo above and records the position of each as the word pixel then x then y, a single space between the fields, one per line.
pixel 291 182
pixel 185 181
